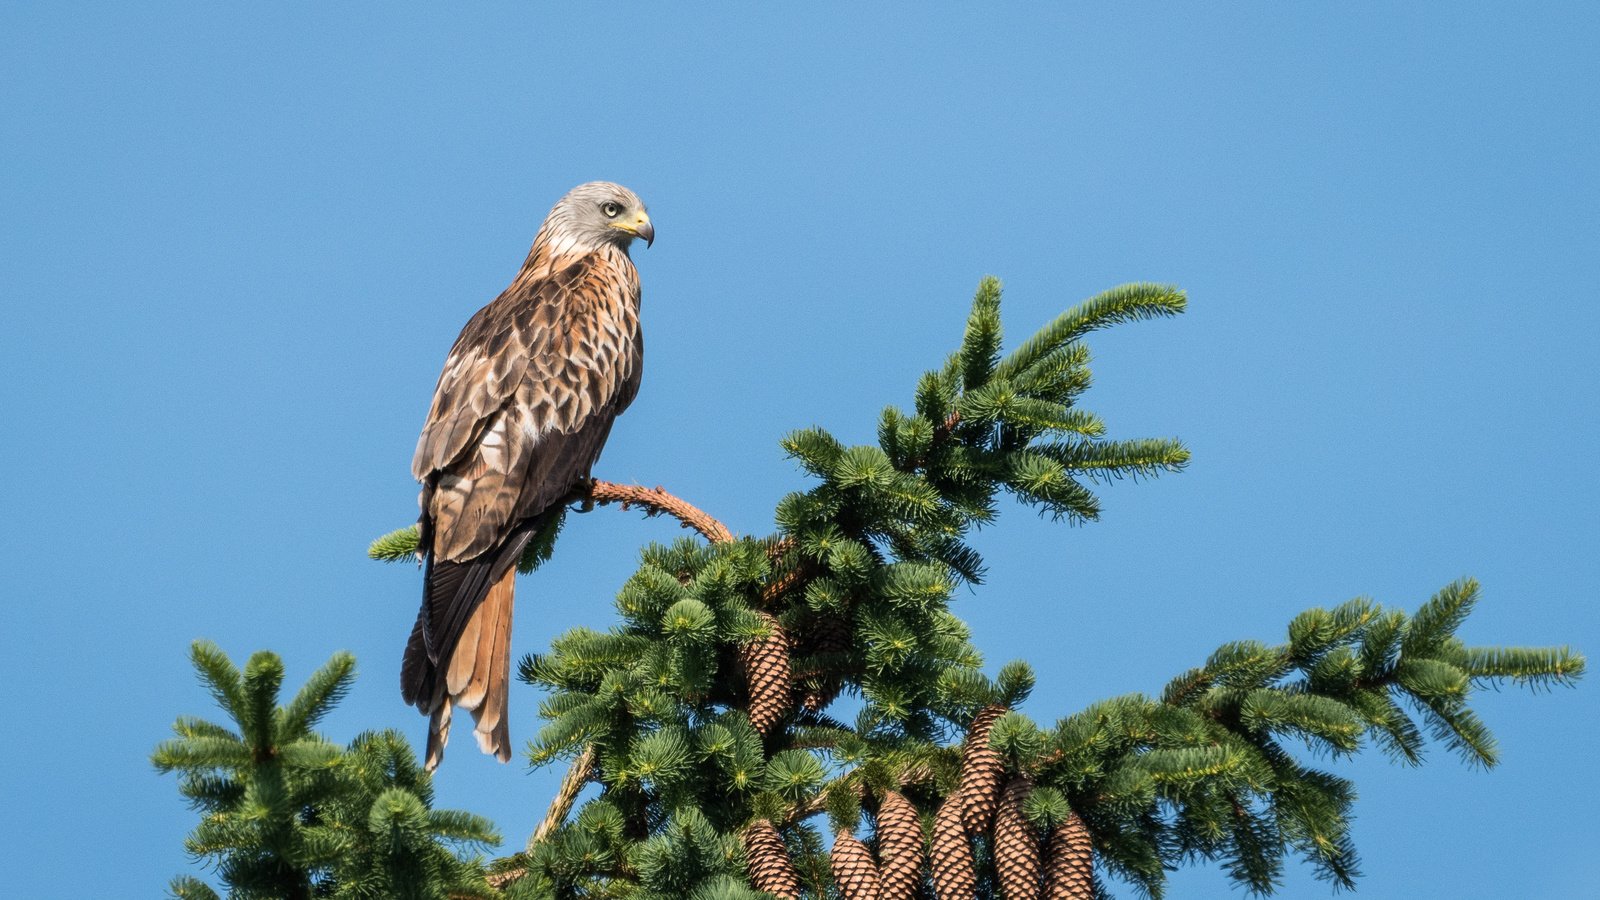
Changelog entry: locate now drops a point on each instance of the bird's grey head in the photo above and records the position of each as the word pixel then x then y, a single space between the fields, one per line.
pixel 595 214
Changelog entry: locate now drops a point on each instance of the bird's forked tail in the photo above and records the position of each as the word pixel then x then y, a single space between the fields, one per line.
pixel 474 674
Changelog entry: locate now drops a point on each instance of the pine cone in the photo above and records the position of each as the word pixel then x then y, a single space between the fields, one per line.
pixel 766 669
pixel 981 770
pixel 853 869
pixel 951 853
pixel 1069 870
pixel 900 852
pixel 1016 845
pixel 818 688
pixel 768 861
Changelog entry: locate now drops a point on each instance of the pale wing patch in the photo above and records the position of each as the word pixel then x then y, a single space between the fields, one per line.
pixel 505 438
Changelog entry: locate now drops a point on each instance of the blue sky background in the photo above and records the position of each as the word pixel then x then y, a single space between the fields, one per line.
pixel 238 242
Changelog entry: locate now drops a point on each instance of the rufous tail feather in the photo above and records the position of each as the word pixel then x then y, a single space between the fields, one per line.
pixel 477 677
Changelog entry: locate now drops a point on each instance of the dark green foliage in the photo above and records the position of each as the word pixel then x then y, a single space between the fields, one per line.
pixel 1126 303
pixel 879 545
pixel 1203 773
pixel 287 814
pixel 859 577
pixel 1206 768
pixel 399 545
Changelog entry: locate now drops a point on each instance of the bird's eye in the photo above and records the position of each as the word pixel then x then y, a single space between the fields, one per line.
pixel 610 209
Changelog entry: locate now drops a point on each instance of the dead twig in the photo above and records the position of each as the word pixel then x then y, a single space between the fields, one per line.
pixel 655 501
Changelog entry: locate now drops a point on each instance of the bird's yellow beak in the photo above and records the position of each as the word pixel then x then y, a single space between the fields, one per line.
pixel 639 227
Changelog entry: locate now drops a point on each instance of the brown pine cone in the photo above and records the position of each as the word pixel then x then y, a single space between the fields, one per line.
pixel 853 869
pixel 1069 869
pixel 768 861
pixel 950 851
pixel 900 850
pixel 1016 844
pixel 981 770
pixel 830 637
pixel 766 672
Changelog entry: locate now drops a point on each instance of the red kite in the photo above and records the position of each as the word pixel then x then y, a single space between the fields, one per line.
pixel 521 412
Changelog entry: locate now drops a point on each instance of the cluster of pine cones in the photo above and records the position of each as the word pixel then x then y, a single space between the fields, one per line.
pixel 1060 868
pixel 1027 869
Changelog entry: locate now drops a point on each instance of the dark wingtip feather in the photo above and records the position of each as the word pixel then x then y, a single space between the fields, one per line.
pixel 416 671
pixel 450 592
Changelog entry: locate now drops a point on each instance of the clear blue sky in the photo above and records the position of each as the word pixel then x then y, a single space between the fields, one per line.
pixel 237 243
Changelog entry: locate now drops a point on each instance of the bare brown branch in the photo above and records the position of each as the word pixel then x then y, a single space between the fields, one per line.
pixel 915 774
pixel 578 774
pixel 655 501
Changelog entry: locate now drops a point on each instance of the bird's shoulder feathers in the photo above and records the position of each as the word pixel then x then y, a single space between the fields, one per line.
pixel 556 347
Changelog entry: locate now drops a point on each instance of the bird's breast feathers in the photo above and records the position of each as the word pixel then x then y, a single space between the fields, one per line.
pixel 555 350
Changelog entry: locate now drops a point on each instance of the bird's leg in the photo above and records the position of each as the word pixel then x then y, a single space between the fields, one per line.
pixel 583 494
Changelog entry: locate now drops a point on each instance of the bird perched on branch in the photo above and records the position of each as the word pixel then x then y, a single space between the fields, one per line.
pixel 521 412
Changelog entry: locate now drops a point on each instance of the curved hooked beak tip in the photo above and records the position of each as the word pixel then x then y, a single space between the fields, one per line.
pixel 643 228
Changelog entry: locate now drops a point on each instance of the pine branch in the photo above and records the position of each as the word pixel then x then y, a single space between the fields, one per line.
pixel 655 501
pixel 578 775
pixel 326 687
pixel 854 783
pixel 400 545
pixel 1129 302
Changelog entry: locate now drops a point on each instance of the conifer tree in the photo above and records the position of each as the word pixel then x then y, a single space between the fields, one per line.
pixel 709 718
pixel 674 711
pixel 287 814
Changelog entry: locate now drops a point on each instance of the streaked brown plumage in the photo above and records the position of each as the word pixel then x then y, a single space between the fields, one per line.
pixel 527 397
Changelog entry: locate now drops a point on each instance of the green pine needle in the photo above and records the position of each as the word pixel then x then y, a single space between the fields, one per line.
pixel 396 546
pixel 1533 666
pixel 980 346
pixel 1129 302
pixel 1437 620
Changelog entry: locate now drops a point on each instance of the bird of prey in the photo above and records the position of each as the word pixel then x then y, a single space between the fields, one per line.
pixel 528 394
